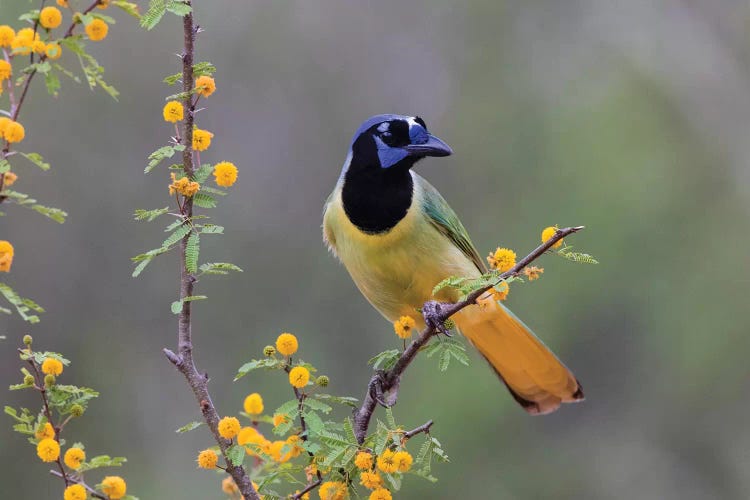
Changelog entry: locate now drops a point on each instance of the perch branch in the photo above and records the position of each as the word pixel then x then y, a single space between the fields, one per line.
pixel 435 315
pixel 183 359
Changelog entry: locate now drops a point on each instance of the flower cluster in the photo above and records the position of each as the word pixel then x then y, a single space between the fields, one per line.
pixel 502 259
pixel 59 406
pixel 225 173
pixel 6 254
pixel 548 233
pixel 404 326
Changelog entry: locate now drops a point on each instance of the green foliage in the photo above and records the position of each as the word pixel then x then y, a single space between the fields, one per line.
pixel 129 7
pixel 385 360
pixel 256 364
pixel 23 305
pixel 199 69
pixel 189 427
pixel 25 200
pixel 192 251
pixel 149 215
pixel 37 160
pixel 447 349
pixel 218 268
pixel 161 154
pixel 567 252
pixel 177 304
pixel 92 70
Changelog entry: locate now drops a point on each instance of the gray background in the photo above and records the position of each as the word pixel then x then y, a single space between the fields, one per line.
pixel 628 117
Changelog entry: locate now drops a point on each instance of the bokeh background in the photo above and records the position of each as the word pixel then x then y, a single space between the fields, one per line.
pixel 630 118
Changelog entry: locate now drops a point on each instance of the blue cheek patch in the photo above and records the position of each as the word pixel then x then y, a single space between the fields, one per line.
pixel 390 156
pixel 387 155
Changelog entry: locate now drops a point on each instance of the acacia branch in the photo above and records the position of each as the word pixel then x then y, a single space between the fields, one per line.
pixel 435 314
pixel 422 428
pixel 183 360
pixel 301 402
pixel 91 490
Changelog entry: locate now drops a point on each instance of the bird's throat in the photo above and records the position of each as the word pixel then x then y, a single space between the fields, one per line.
pixel 375 200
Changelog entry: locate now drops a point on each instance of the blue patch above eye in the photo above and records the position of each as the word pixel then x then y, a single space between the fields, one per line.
pixel 418 134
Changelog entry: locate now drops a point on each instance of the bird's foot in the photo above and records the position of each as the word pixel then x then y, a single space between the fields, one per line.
pixel 382 391
pixel 431 311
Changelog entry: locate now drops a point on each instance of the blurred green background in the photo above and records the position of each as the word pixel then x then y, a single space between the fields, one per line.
pixel 630 118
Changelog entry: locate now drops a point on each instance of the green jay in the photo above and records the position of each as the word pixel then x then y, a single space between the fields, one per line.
pixel 398 238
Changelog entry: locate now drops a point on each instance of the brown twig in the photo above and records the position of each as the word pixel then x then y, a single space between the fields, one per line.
pixel 435 314
pixel 183 360
pixel 301 399
pixel 39 386
pixel 91 490
pixel 422 428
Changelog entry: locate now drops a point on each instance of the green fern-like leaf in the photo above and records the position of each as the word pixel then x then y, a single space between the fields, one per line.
pixel 155 12
pixel 583 258
pixel 192 250
pixel 177 235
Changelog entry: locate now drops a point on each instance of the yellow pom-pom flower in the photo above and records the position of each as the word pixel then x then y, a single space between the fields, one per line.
pixel 75 492
pixel 371 480
pixel 287 344
pixel 253 404
pixel 404 326
pixel 381 494
pixel 5 70
pixel 225 173
pixel 363 460
pixel 173 112
pixel 403 460
pixel 45 431
pixel 74 457
pixel 97 30
pixel 4 121
pixel 503 259
pixel 50 17
pixel 332 490
pixel 52 366
pixel 9 179
pixel 183 185
pixel 6 35
pixel 387 463
pixel 48 450
pixel 251 436
pixel 207 459
pixel 114 487
pixel 533 272
pixel 299 376
pixel 229 427
pixel 279 418
pixel 296 445
pixel 229 487
pixel 53 51
pixel 38 47
pixel 201 139
pixel 6 256
pixel 103 4
pixel 500 292
pixel 14 132
pixel 62 3
pixel 205 85
pixel 548 233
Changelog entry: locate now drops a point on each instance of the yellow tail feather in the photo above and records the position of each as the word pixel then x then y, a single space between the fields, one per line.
pixel 533 374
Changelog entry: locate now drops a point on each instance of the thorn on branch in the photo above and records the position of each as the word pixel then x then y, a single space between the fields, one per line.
pixel 173 358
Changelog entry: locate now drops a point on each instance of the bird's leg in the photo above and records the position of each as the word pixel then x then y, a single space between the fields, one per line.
pixel 383 390
pixel 431 311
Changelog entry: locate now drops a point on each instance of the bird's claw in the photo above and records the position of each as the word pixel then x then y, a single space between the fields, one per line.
pixel 384 398
pixel 431 311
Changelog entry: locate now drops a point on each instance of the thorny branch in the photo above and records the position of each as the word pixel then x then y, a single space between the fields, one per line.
pixel 383 386
pixel 183 360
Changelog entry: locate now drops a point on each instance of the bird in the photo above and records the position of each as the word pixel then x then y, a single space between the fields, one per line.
pixel 398 237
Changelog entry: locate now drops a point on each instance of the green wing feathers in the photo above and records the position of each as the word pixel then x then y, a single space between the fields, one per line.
pixel 445 220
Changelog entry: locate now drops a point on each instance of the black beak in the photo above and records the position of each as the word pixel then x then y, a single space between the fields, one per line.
pixel 433 147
